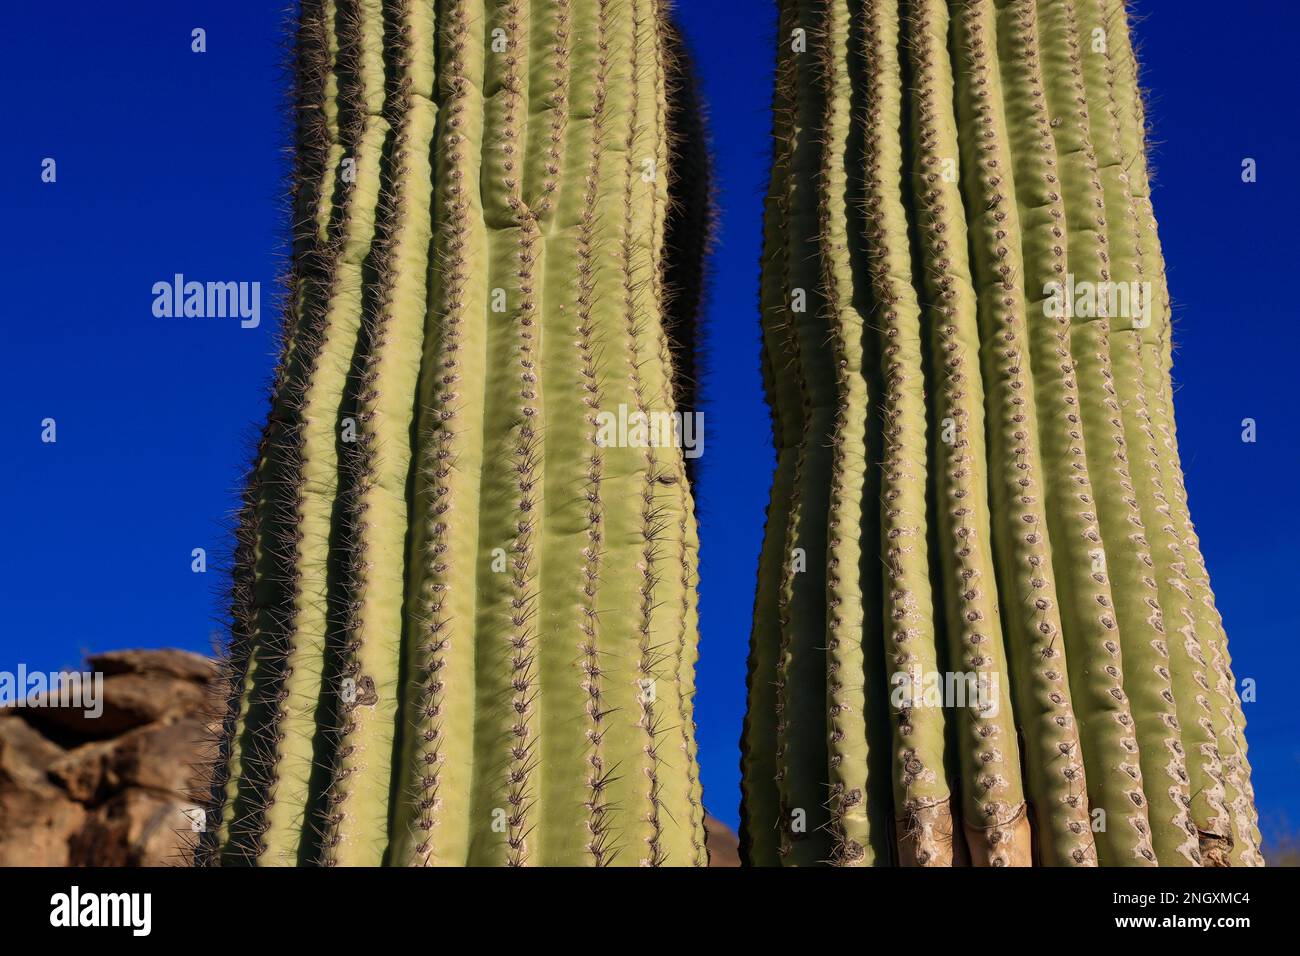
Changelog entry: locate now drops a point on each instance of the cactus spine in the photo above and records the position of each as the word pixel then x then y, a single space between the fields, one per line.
pixel 977 470
pixel 464 622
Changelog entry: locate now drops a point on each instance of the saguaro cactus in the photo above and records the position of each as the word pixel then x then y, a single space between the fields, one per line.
pixel 464 624
pixel 967 353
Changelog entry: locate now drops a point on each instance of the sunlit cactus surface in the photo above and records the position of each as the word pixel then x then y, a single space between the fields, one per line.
pixel 984 632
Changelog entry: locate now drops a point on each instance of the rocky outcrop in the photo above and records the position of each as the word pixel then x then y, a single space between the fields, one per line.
pixel 113 789
pixel 116 790
pixel 37 820
pixel 723 844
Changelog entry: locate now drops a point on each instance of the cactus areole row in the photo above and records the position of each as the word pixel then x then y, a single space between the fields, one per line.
pixel 464 618
pixel 984 632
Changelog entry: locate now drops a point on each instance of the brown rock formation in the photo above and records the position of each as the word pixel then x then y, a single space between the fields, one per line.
pixel 113 790
pixel 722 843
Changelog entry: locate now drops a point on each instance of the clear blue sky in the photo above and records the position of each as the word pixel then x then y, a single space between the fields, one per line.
pixel 170 161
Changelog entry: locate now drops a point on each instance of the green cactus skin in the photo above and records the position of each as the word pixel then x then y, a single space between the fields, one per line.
pixel 464 625
pixel 979 482
pixel 1201 628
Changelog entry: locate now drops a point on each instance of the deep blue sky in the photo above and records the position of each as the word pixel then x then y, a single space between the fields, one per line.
pixel 170 161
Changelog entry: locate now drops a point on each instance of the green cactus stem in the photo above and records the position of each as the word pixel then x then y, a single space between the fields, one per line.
pixel 966 353
pixel 464 623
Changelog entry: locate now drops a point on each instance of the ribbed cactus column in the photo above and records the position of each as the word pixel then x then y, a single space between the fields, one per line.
pixel 464 617
pixel 966 351
pixel 1207 695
